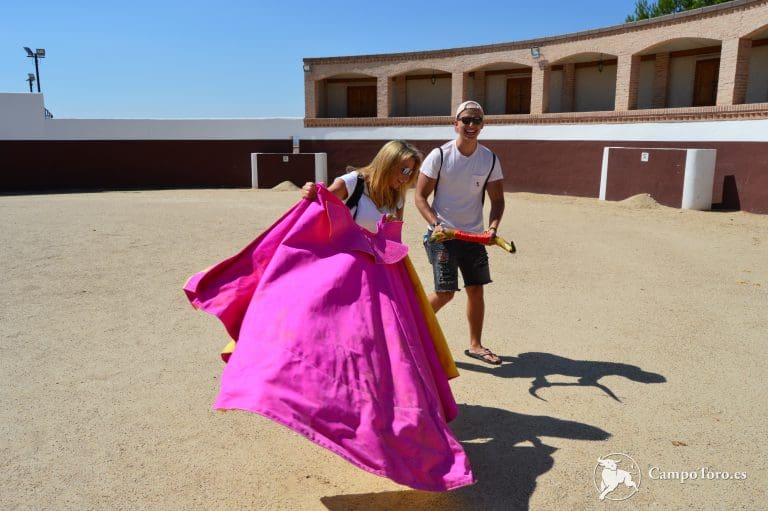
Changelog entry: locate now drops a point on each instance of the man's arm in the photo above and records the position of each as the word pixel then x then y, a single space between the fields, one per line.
pixel 424 188
pixel 495 191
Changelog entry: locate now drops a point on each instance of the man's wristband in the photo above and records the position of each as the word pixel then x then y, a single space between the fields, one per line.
pixel 434 226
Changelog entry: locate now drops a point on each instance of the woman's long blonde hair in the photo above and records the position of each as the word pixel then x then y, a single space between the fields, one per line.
pixel 377 173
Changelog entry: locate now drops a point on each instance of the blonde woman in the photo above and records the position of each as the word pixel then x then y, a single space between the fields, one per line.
pixel 384 183
pixel 334 337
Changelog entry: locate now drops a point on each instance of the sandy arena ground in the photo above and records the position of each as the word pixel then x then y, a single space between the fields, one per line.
pixel 625 327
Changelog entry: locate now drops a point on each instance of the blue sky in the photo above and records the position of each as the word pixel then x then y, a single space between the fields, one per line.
pixel 235 59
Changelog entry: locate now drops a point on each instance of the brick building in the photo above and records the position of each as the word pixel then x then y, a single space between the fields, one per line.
pixel 707 63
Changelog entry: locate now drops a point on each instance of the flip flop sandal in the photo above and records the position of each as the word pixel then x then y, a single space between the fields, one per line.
pixel 483 355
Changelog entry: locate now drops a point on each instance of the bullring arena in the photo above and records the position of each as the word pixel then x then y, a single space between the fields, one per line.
pixel 625 327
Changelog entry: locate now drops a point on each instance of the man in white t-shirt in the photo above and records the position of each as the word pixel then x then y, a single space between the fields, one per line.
pixel 460 173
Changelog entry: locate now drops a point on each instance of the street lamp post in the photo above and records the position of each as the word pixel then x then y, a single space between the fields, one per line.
pixel 30 79
pixel 39 53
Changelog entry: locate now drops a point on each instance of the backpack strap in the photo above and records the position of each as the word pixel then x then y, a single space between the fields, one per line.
pixel 485 184
pixel 437 179
pixel 353 199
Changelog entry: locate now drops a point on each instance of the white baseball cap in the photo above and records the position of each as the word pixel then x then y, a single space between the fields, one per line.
pixel 474 105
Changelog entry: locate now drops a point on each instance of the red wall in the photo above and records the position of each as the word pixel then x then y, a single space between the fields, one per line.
pixel 539 166
pixel 573 167
pixel 273 169
pixel 661 176
pixel 52 165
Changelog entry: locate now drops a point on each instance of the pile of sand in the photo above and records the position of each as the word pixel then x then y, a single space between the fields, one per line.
pixel 640 201
pixel 285 186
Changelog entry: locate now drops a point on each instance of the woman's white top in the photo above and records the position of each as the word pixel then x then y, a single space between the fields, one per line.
pixel 368 215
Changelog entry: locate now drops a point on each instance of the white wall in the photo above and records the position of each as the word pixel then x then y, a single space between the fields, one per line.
pixel 21 115
pixel 22 119
pixel 159 129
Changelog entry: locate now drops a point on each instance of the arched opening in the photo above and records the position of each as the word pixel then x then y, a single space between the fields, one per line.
pixel 502 88
pixel 420 92
pixel 679 73
pixel 348 95
pixel 757 81
pixel 585 82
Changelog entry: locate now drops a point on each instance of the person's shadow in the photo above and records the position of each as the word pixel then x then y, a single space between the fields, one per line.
pixel 507 456
pixel 540 365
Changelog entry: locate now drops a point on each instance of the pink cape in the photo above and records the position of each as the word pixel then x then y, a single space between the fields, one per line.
pixel 330 342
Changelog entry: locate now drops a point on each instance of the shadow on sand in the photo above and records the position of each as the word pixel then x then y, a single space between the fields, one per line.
pixel 507 457
pixel 540 365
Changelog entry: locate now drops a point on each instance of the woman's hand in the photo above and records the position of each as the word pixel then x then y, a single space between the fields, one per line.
pixel 309 191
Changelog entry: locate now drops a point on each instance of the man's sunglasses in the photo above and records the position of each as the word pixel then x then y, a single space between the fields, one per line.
pixel 474 120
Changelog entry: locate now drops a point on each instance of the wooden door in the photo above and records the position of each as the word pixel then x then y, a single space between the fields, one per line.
pixel 518 96
pixel 705 82
pixel 361 101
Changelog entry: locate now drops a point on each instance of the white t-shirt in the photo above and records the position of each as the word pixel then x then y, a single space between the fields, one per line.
pixel 368 215
pixel 458 199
